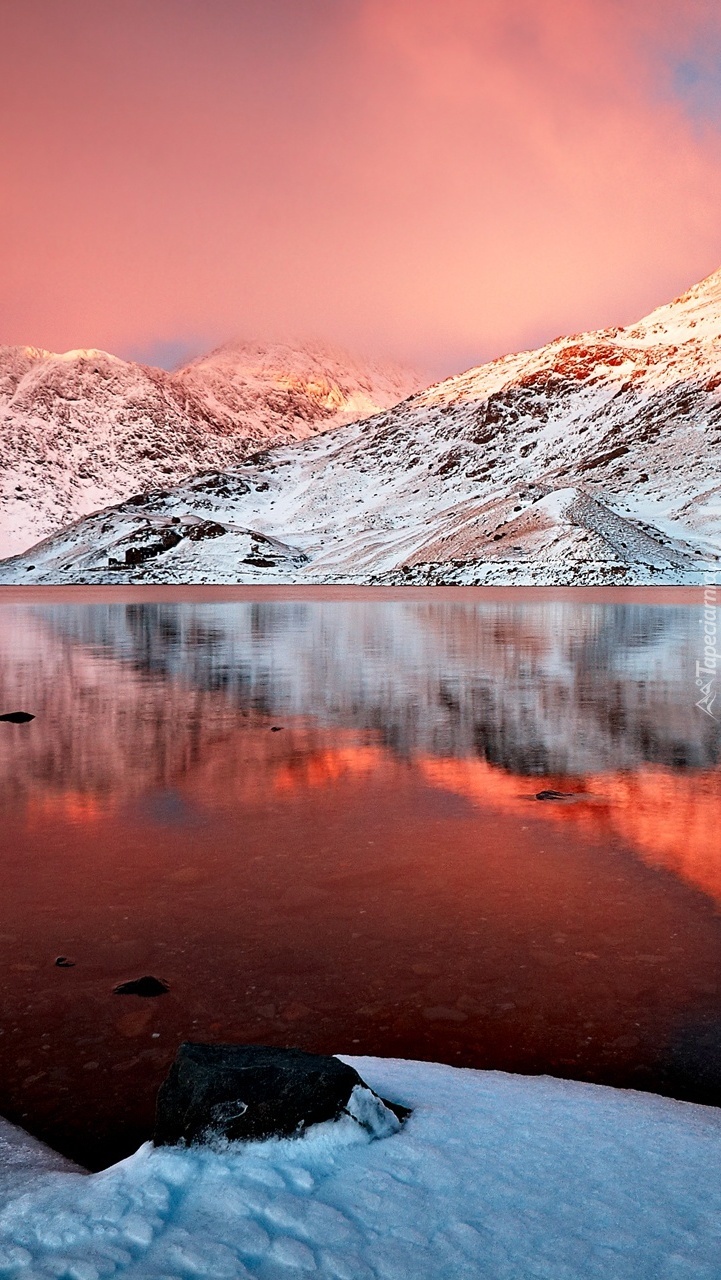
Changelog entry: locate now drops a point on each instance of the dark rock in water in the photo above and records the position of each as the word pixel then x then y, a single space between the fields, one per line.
pixel 276 728
pixel 63 962
pixel 245 1093
pixel 555 795
pixel 147 986
pixel 17 717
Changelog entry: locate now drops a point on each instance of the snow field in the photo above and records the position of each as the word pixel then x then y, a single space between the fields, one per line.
pixel 493 1176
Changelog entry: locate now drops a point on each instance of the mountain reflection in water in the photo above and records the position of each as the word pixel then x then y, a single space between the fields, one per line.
pixel 375 875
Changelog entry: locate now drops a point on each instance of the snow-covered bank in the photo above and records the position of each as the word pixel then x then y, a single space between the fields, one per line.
pixel 493 1176
pixel 23 1159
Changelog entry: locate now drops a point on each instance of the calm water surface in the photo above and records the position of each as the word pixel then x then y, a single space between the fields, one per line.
pixel 316 819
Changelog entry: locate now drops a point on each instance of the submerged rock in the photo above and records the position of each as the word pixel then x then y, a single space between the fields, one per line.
pixel 64 962
pixel 147 986
pixel 17 717
pixel 247 1093
pixel 555 795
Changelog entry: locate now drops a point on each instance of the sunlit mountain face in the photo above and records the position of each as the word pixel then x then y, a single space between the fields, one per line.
pixel 593 459
pixel 319 823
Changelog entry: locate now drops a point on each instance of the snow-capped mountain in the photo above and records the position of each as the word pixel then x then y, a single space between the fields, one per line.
pixel 82 430
pixel 593 459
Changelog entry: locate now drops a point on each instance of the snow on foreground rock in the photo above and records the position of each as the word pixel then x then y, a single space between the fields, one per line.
pixel 492 1176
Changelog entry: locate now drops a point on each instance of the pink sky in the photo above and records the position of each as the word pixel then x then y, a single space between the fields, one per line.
pixel 434 181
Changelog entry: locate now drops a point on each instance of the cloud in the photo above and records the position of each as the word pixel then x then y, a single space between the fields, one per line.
pixel 442 182
pixel 559 170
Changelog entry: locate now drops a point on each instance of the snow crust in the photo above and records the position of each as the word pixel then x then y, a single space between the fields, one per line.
pixel 23 1158
pixel 493 1176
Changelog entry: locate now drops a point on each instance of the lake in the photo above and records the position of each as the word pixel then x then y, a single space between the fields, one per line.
pixel 314 814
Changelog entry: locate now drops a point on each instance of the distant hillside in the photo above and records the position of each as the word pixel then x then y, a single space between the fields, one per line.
pixel 83 430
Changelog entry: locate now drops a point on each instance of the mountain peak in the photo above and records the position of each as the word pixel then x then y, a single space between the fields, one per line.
pixel 282 358
pixel 82 429
pixel 593 459
pixel 317 383
pixel 695 314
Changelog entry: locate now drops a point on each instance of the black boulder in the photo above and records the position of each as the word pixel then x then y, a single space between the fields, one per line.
pixel 147 986
pixel 252 1092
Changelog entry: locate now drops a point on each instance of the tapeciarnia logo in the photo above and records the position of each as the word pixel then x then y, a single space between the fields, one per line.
pixel 707 671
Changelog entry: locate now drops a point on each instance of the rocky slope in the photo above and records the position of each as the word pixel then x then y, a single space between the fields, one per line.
pixel 593 459
pixel 82 430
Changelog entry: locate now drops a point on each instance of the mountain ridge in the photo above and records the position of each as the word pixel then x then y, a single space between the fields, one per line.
pixel 591 459
pixel 83 429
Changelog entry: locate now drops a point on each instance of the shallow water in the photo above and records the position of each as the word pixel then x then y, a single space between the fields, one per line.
pixel 316 818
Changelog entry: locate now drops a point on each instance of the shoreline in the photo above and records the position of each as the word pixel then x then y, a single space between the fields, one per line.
pixel 493 1174
pixel 200 594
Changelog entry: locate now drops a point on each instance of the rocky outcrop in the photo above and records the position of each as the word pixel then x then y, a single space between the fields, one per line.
pixel 239 1092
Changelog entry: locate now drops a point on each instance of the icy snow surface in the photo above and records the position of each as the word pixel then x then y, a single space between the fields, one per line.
pixel 493 1176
